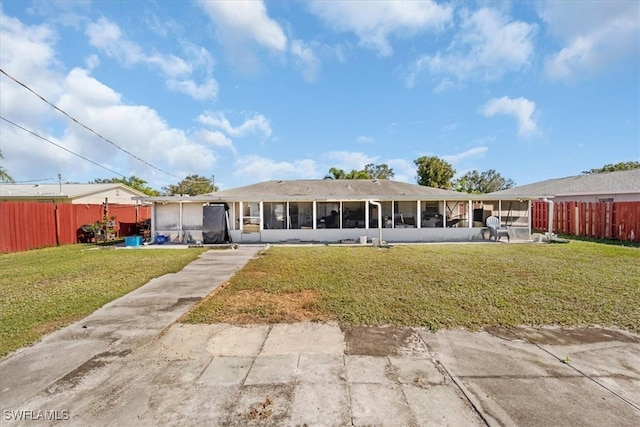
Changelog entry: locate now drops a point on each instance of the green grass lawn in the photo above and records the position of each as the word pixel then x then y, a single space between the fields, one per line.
pixel 45 289
pixel 435 286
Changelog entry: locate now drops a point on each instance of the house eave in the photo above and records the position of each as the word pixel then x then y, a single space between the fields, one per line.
pixel 360 198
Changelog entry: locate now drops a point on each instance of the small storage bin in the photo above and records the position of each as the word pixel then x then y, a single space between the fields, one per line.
pixel 133 241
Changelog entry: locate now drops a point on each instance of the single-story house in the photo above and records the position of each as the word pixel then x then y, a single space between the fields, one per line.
pixel 93 194
pixel 619 186
pixel 326 210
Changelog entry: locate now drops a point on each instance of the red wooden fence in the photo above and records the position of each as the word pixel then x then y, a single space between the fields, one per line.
pixel 30 225
pixel 602 220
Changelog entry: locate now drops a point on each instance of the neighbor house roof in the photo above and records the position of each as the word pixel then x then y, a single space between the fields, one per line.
pixel 59 191
pixel 620 182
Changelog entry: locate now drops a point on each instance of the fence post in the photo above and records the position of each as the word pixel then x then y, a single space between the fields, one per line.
pixel 56 219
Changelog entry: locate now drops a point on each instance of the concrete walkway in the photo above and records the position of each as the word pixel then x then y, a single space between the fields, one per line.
pixel 130 364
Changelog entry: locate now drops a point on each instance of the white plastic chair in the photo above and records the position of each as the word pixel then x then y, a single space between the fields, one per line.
pixel 496 230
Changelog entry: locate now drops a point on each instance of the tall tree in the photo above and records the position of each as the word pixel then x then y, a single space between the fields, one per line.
pixel 621 166
pixel 4 175
pixel 434 172
pixel 192 185
pixel 482 182
pixel 382 171
pixel 370 171
pixel 132 181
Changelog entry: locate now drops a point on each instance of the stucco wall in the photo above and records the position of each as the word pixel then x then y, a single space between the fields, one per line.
pixel 117 196
pixel 388 235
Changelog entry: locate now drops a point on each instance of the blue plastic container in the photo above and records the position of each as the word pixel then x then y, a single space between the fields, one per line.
pixel 133 241
pixel 160 239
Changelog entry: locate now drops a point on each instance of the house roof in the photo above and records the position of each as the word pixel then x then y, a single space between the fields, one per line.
pixel 332 190
pixel 59 191
pixel 619 182
pixel 344 189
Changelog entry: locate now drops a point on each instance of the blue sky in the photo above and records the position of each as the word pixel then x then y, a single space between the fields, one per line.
pixel 252 91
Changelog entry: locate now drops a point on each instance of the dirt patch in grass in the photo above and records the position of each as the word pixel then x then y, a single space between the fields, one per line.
pixel 255 306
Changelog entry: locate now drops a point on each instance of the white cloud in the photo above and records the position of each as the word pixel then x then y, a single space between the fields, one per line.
pixel 38 70
pixel 364 139
pixel 375 22
pixel 487 46
pixel 136 128
pixel 241 21
pixel 257 124
pixel 404 170
pixel 473 152
pixel 92 61
pixel 349 160
pixel 306 59
pixel 520 108
pixel 207 90
pixel 596 35
pixel 107 36
pixel 263 169
pixel 216 138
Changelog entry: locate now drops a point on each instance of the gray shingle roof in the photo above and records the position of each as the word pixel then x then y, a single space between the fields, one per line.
pixel 344 189
pixel 63 191
pixel 599 183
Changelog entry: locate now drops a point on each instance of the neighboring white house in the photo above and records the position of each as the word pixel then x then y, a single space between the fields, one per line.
pixel 620 186
pixel 329 210
pixel 70 193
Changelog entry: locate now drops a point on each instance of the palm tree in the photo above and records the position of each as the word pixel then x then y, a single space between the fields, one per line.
pixel 335 173
pixel 4 176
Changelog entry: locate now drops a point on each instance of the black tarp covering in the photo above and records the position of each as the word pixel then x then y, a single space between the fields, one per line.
pixel 214 224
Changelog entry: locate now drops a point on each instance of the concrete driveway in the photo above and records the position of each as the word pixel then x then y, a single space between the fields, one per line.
pixel 130 364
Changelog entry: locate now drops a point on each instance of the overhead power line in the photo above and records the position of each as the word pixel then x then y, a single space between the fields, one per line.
pixel 27 181
pixel 60 146
pixel 82 125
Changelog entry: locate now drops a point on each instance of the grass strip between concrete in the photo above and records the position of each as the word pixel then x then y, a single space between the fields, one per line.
pixel 435 286
pixel 45 289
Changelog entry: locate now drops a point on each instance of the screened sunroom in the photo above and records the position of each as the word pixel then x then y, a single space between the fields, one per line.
pixel 341 210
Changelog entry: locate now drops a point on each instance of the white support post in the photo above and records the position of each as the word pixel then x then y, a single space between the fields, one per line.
pixel 418 215
pixel 261 215
pixel 366 214
pixel 288 217
pixel 180 236
pixel 314 214
pixel 241 216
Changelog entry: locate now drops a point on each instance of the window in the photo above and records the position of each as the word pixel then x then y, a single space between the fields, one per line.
pixel 301 215
pixel 353 215
pixel 274 215
pixel 431 214
pixel 456 213
pixel 251 217
pixel 515 213
pixel 405 214
pixel 328 214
